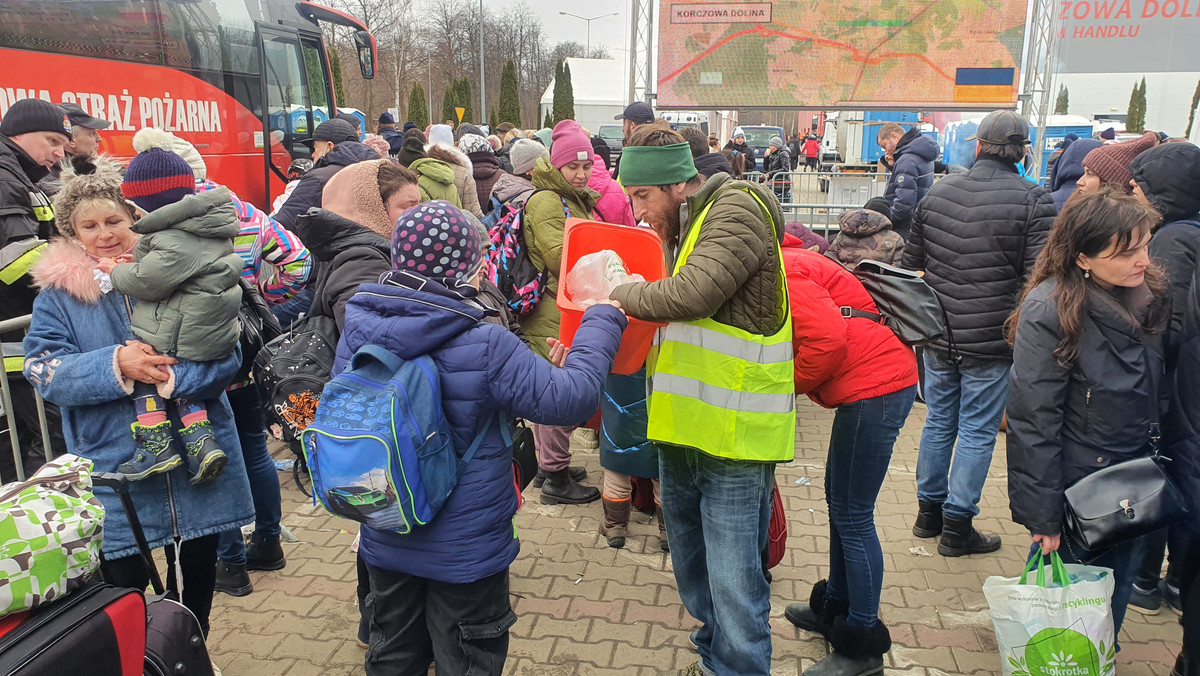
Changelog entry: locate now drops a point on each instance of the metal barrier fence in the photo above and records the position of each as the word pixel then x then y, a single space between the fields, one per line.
pixel 7 413
pixel 818 198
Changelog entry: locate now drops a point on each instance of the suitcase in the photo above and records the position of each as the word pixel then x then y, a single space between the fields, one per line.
pixel 106 630
pixel 98 629
pixel 174 641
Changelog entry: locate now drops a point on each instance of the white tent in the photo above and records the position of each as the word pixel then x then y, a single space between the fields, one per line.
pixel 600 87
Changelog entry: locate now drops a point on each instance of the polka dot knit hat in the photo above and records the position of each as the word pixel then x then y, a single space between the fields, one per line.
pixel 437 241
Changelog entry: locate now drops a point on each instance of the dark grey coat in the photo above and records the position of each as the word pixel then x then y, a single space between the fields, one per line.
pixel 1065 423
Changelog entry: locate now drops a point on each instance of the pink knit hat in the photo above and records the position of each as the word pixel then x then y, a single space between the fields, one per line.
pixel 569 144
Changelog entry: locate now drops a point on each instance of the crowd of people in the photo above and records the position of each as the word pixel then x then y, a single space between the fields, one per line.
pixel 1071 313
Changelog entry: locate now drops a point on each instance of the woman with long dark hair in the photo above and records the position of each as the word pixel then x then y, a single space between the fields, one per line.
pixel 1087 366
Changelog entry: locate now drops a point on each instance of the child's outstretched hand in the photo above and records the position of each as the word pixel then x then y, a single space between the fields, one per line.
pixel 106 265
pixel 558 352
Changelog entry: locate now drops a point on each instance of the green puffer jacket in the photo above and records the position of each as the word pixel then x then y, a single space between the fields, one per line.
pixel 436 180
pixel 544 224
pixel 731 275
pixel 185 277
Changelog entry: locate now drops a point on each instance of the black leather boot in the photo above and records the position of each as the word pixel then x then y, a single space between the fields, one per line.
pixel 959 538
pixel 577 473
pixel 232 579
pixel 264 554
pixel 856 652
pixel 929 519
pixel 819 613
pixel 561 489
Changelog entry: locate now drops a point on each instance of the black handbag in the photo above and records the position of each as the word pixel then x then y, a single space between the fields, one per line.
pixel 1124 501
pixel 258 327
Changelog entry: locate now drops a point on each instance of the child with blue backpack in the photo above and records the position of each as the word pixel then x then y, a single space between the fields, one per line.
pixel 441 590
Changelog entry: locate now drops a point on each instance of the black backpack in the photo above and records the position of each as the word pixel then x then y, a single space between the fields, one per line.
pixel 906 304
pixel 291 371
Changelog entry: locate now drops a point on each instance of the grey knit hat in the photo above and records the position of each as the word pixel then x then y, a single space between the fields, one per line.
pixel 524 154
pixel 102 184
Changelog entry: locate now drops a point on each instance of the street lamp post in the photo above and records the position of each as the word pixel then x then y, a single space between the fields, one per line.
pixel 482 73
pixel 589 21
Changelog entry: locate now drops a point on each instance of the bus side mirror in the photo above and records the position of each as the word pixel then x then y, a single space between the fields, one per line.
pixel 365 44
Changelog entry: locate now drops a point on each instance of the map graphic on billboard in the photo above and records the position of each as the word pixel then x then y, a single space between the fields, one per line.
pixel 928 54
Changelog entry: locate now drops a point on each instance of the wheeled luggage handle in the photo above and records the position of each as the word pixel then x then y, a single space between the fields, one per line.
pixel 120 484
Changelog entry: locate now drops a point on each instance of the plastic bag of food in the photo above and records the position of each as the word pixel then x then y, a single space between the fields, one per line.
pixel 595 275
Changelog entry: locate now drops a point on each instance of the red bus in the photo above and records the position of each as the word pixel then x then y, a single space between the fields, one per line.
pixel 243 80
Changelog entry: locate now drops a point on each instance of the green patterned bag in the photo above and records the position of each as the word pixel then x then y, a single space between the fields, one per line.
pixel 50 534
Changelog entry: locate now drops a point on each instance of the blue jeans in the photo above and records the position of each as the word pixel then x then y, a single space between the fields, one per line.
pixel 966 402
pixel 716 512
pixel 860 448
pixel 287 311
pixel 260 468
pixel 1124 559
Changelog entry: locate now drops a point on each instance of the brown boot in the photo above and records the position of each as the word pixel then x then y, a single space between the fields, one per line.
pixel 662 530
pixel 615 524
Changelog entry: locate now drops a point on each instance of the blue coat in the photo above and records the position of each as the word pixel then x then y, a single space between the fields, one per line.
pixel 71 360
pixel 624 447
pixel 910 178
pixel 484 369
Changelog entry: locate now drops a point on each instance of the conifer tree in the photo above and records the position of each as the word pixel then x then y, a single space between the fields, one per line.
pixel 510 95
pixel 418 109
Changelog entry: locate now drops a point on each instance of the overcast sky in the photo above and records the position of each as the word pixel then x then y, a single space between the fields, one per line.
pixel 612 32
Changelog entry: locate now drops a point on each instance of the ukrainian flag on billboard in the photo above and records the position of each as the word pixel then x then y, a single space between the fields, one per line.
pixel 983 85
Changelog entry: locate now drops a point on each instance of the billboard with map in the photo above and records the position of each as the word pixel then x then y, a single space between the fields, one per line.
pixel 926 54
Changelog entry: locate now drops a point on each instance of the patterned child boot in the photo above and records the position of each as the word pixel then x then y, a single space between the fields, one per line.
pixel 157 452
pixel 205 460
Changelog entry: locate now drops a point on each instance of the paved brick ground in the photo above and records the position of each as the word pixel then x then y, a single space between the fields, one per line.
pixel 585 608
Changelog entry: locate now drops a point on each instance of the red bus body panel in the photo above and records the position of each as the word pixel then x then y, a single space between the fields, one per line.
pixel 133 96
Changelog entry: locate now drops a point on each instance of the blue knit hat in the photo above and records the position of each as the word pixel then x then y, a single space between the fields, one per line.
pixel 156 178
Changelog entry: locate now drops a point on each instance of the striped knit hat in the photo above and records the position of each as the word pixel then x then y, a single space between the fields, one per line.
pixel 156 178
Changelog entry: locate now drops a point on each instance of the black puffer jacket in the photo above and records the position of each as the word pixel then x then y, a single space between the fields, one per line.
pixel 976 235
pixel 307 193
pixel 1065 423
pixel 348 255
pixel 1169 175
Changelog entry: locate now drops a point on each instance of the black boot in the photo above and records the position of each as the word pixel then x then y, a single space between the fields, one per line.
pixel 561 489
pixel 819 613
pixel 577 473
pixel 856 652
pixel 264 554
pixel 959 538
pixel 663 543
pixel 365 612
pixel 232 579
pixel 929 519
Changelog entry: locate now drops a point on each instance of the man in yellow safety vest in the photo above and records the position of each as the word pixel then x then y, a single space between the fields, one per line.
pixel 722 397
pixel 33 138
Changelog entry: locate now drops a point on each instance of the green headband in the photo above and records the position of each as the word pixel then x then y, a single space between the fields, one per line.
pixel 657 165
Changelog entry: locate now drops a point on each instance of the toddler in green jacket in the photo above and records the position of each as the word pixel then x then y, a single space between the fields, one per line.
pixel 184 274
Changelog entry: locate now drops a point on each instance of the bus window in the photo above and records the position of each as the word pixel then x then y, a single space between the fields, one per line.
pixel 210 35
pixel 123 30
pixel 289 105
pixel 314 68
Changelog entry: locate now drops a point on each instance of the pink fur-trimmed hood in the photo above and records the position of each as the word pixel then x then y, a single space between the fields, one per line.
pixel 66 266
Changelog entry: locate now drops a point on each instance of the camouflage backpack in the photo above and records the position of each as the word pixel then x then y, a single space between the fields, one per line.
pixel 50 534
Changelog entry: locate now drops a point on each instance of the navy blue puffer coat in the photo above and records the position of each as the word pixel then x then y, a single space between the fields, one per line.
pixel 484 369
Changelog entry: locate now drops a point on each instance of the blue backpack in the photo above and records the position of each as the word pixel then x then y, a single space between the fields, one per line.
pixel 379 449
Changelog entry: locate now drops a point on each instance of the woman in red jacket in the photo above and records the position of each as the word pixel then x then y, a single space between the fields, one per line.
pixel 862 369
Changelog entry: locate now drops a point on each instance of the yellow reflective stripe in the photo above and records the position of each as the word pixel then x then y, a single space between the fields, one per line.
pixel 20 267
pixel 716 340
pixel 737 435
pixel 43 213
pixel 14 364
pixel 751 402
